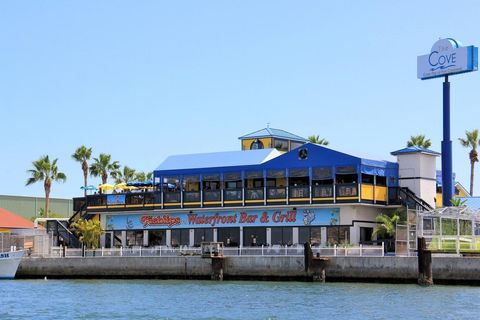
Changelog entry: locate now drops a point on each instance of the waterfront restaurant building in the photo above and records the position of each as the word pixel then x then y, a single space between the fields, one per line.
pixel 278 190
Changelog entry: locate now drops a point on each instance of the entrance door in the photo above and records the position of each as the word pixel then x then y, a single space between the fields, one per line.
pixel 108 239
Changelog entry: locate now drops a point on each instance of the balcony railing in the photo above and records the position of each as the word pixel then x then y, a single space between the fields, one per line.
pixel 191 196
pixel 299 192
pixel 212 195
pixel 171 197
pixel 239 196
pixel 276 193
pixel 254 194
pixel 347 190
pixel 232 195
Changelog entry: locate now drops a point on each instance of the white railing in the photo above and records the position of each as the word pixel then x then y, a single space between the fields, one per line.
pixel 164 251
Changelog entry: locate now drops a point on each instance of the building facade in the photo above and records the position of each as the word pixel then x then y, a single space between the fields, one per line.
pixel 258 196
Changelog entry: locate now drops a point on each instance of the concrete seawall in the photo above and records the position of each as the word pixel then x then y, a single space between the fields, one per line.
pixel 381 269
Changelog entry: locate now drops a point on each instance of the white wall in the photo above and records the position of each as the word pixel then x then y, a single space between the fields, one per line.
pixel 417 171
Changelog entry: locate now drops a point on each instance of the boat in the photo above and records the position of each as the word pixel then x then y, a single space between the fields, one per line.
pixel 9 261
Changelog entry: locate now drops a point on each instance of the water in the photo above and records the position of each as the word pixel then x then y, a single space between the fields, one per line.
pixel 176 299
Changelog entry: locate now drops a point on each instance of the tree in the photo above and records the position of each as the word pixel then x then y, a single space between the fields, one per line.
pixel 141 176
pixel 89 232
pixel 82 155
pixel 45 171
pixel 126 175
pixel 419 141
pixel 471 142
pixel 102 167
pixel 456 202
pixel 316 139
pixel 386 225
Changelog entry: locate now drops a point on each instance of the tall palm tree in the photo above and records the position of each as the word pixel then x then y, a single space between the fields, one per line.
pixel 471 142
pixel 45 171
pixel 102 167
pixel 126 175
pixel 82 155
pixel 316 139
pixel 419 141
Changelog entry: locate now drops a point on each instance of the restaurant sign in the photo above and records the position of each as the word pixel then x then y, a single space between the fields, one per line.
pixel 214 219
pixel 447 57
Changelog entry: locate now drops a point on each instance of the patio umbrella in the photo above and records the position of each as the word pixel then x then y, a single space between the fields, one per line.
pixel 120 185
pixel 106 186
pixel 89 188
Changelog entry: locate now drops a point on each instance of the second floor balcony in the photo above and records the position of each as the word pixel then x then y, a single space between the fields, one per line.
pixel 239 197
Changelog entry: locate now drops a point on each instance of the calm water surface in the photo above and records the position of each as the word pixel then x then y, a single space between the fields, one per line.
pixel 175 299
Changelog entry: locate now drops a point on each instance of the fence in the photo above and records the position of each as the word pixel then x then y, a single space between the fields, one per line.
pixel 163 251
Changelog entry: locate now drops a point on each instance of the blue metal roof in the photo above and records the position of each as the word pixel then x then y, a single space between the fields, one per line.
pixel 217 159
pixel 414 149
pixel 275 133
pixel 472 202
pixel 265 159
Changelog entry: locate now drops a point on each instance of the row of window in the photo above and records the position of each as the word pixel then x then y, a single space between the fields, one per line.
pixel 252 236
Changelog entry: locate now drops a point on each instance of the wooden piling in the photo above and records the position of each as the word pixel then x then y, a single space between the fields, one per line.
pixel 425 277
pixel 217 268
pixel 314 265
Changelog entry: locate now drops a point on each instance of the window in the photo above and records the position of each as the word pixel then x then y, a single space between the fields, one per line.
pixel 381 181
pixel 117 238
pixel 366 234
pixel 295 144
pixel 256 144
pixel 180 237
pixel 338 235
pixel 202 235
pixel 310 234
pixel 282 236
pixel 156 238
pixel 367 178
pixel 134 238
pixel 229 236
pixel 254 236
pixel 281 145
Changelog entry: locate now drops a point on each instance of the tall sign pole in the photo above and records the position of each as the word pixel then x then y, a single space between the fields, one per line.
pixel 447 171
pixel 447 57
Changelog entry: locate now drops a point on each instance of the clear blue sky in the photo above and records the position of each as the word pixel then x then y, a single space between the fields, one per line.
pixel 142 80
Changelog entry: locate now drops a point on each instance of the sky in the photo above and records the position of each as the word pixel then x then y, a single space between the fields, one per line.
pixel 142 80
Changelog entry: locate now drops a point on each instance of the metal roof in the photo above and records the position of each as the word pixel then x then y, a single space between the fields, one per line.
pixel 414 149
pixel 275 133
pixel 472 202
pixel 267 159
pixel 218 159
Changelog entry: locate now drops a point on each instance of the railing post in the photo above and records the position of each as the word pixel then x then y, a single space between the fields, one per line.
pixel 102 251
pixel 383 248
pixel 361 254
pixel 121 251
pixel 286 248
pixel 335 250
pixel 262 250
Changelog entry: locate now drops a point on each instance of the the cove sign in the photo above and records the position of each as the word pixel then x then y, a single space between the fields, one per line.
pixel 447 57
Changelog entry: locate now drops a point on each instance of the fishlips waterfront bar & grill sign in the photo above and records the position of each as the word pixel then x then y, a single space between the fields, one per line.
pixel 205 219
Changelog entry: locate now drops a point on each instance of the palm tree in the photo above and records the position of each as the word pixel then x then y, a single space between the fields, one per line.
pixel 126 175
pixel 386 225
pixel 419 141
pixel 316 139
pixel 82 155
pixel 45 171
pixel 102 167
pixel 471 142
pixel 141 176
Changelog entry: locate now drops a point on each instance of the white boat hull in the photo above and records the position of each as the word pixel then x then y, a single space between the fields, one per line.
pixel 9 262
